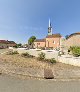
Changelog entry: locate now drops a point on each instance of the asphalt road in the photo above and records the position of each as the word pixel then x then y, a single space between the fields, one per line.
pixel 12 84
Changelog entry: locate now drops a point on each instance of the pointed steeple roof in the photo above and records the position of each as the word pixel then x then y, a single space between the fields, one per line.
pixel 49 23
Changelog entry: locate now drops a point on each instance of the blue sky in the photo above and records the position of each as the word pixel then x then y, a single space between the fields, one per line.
pixel 20 19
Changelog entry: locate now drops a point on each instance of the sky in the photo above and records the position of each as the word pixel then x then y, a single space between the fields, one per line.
pixel 21 19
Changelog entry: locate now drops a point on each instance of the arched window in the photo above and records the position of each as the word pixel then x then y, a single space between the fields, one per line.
pixel 54 42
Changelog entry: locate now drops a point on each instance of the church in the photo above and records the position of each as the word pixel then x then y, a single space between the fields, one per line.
pixel 51 41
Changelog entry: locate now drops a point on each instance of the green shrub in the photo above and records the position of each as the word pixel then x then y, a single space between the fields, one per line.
pixel 15 52
pixel 75 51
pixel 12 52
pixel 52 60
pixel 41 56
pixel 27 55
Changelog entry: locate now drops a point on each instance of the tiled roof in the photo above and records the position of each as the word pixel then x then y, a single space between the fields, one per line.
pixel 40 40
pixel 11 42
pixel 3 41
pixel 7 42
pixel 53 35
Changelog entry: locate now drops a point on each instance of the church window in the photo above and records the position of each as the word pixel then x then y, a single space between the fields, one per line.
pixel 54 42
pixel 38 43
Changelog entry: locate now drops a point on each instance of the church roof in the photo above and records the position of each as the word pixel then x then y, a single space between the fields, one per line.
pixel 53 35
pixel 40 40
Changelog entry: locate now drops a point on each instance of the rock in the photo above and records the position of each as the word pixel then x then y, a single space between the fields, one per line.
pixel 48 74
pixel 0 73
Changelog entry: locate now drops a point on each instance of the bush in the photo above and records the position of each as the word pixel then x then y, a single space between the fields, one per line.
pixel 41 56
pixel 15 52
pixel 52 60
pixel 12 53
pixel 27 55
pixel 75 51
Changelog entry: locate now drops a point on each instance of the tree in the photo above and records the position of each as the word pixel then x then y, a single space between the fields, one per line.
pixel 18 45
pixel 31 40
pixel 66 36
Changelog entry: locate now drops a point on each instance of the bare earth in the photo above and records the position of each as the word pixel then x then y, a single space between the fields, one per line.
pixel 16 64
pixel 20 61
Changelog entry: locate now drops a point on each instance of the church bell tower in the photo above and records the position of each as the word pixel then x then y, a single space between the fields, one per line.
pixel 50 28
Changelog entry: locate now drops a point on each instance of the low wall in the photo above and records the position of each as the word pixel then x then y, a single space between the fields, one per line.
pixel 49 53
pixel 69 60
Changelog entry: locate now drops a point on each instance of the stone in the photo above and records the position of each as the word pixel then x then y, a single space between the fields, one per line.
pixel 48 74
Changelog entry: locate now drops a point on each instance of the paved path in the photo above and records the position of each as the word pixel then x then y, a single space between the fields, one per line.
pixel 12 84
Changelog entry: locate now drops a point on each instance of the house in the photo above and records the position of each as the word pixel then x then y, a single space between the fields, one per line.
pixel 6 44
pixel 11 44
pixel 51 41
pixel 72 40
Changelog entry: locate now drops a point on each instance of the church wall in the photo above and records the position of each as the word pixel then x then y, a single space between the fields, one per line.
pixel 39 44
pixel 53 42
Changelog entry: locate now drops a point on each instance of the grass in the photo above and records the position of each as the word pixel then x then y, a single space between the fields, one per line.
pixel 20 61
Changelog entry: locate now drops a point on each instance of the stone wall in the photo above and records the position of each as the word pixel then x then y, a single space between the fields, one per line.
pixel 72 41
pixel 68 59
pixel 49 53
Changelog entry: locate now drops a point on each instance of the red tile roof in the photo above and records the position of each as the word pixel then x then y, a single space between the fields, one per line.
pixel 7 42
pixel 40 40
pixel 53 35
pixel 3 41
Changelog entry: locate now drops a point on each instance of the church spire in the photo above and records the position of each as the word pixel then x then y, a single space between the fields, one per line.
pixel 50 28
pixel 49 23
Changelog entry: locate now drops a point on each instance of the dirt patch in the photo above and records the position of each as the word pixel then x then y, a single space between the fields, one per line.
pixel 17 64
pixel 20 61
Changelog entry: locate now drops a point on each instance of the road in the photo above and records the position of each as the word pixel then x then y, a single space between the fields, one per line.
pixel 13 84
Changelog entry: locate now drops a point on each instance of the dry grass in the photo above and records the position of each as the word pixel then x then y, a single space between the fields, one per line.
pixel 20 61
